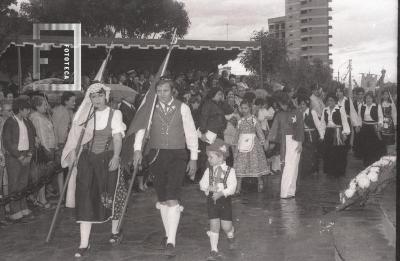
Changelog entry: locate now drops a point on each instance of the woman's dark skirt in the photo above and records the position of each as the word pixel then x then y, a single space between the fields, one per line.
pixel 372 146
pixel 335 156
pixel 100 193
pixel 309 154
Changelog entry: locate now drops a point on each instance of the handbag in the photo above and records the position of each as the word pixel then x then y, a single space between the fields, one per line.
pixel 246 142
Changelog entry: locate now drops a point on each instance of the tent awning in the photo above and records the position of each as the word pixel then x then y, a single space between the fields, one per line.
pixel 127 43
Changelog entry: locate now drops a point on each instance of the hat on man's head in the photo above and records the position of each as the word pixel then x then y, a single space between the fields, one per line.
pixel 131 71
pixel 219 146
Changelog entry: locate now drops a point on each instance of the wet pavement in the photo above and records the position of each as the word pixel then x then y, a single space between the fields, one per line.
pixel 267 228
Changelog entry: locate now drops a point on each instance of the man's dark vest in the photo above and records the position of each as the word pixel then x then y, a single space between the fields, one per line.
pixel 167 128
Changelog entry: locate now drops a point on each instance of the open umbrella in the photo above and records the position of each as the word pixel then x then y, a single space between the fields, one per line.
pixel 41 85
pixel 119 91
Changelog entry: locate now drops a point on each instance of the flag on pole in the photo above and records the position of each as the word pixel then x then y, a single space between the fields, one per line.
pixel 99 75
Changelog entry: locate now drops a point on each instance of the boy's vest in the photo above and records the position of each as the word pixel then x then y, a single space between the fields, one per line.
pixel 211 176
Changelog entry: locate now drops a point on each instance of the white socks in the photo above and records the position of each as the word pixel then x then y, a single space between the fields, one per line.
pixel 173 217
pixel 213 240
pixel 163 210
pixel 85 228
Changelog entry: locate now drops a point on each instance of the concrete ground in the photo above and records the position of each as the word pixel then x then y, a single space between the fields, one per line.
pixel 268 228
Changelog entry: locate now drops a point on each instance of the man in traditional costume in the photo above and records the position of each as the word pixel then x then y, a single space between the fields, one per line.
pixel 96 183
pixel 172 129
pixel 287 130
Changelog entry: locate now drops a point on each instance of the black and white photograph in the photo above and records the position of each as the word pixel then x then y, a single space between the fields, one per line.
pixel 191 130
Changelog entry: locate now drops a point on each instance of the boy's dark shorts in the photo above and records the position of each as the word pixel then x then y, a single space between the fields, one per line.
pixel 222 209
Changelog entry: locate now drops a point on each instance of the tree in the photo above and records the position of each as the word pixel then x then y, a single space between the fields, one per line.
pixel 278 68
pixel 129 18
pixel 274 56
pixel 11 23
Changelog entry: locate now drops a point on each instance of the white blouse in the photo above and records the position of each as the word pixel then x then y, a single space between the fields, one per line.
pixel 367 114
pixel 231 182
pixel 343 116
pixel 117 124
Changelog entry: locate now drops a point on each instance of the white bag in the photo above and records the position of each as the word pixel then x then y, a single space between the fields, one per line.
pixel 246 142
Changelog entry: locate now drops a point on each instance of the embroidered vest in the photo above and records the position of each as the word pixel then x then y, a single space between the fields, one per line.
pixel 218 179
pixel 387 111
pixel 167 128
pixel 102 139
pixel 336 118
pixel 373 112
pixel 309 121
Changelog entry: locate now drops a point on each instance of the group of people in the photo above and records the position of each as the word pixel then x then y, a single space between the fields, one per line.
pixel 218 130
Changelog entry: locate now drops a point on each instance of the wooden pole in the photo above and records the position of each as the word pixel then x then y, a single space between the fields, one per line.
pixel 19 70
pixel 261 63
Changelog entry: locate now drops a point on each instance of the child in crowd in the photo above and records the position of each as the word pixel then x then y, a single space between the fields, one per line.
pixel 219 184
pixel 249 158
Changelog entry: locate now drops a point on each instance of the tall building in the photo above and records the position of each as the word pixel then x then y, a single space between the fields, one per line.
pixel 276 27
pixel 306 29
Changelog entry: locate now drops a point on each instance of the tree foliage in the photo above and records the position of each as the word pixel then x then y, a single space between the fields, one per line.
pixel 129 18
pixel 276 66
pixel 11 23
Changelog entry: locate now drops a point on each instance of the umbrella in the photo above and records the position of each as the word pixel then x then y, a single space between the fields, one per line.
pixel 119 91
pixel 41 84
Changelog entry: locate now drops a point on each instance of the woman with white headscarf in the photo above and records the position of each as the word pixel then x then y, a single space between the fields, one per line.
pixel 98 180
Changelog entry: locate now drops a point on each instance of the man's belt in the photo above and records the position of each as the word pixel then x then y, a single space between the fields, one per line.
pixel 370 122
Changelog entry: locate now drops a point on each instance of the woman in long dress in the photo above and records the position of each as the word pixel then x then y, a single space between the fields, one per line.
pixel 389 119
pixel 287 130
pixel 312 134
pixel 372 146
pixel 99 189
pixel 335 129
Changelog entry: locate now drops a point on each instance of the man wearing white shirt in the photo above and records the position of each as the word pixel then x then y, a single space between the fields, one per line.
pixel 172 130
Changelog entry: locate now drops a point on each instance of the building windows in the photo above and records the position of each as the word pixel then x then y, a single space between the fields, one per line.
pixel 303 11
pixel 303 21
pixel 304 30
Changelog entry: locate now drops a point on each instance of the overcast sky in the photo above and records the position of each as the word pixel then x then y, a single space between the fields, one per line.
pixel 363 30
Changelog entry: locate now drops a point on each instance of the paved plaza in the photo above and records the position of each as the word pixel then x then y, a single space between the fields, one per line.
pixel 268 228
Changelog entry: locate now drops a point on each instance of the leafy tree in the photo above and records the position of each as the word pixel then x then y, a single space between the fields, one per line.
pixel 129 18
pixel 274 56
pixel 11 23
pixel 278 68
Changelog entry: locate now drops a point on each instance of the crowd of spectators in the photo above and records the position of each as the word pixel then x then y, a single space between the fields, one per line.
pixel 221 104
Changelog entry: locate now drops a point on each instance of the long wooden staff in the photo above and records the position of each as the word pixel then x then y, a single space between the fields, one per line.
pixel 77 149
pixel 147 135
